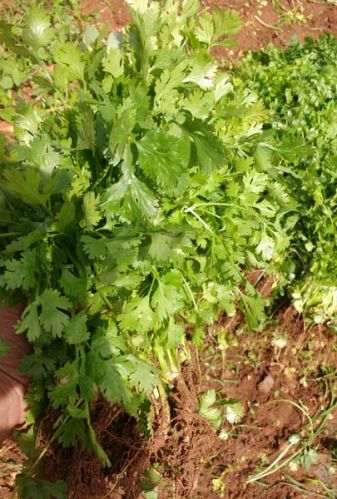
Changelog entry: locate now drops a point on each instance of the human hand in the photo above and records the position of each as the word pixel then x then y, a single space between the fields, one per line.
pixel 13 383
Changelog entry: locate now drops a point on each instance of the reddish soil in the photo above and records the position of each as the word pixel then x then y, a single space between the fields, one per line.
pixel 264 23
pixel 279 22
pixel 268 379
pixel 11 459
pixel 112 13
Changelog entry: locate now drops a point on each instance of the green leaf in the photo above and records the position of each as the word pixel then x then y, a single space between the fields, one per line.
pixel 207 402
pixel 71 432
pixel 189 8
pixel 30 322
pixel 66 216
pixel 132 197
pixel 168 247
pixel 143 374
pixel 53 316
pixel 202 73
pixel 37 366
pixel 226 22
pixel 113 386
pixel 253 308
pixel 121 132
pixel 21 273
pixel 163 157
pixel 266 247
pixel 205 30
pixel 33 488
pixel 66 390
pixel 210 151
pixel 113 63
pixel 137 315
pixel 94 248
pixel 24 184
pixel 37 32
pixel 90 35
pixel 199 104
pixel 175 334
pixel 72 286
pixel 76 331
pixel 234 412
pixel 91 208
pixel 70 58
pixel 86 130
pixel 166 300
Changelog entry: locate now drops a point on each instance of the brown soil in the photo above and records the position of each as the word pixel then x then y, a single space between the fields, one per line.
pixel 10 464
pixel 279 22
pixel 264 23
pixel 112 13
pixel 180 438
pixel 267 379
pixel 128 451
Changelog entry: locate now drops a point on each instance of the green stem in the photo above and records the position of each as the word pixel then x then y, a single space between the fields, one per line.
pixel 9 234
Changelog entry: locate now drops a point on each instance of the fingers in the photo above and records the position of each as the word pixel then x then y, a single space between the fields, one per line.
pixel 12 382
pixel 12 407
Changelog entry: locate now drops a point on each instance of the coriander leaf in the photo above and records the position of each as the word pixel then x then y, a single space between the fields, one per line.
pixel 26 184
pixel 76 331
pixel 113 386
pixel 253 308
pixel 30 322
pixel 72 286
pixel 226 22
pixel 70 59
pixel 166 300
pixel 90 35
pixel 37 366
pixel 71 432
pixel 167 247
pixel 33 488
pixel 202 73
pixel 65 216
pixel 21 273
pixel 143 374
pixel 175 334
pixel 199 104
pixel 266 246
pixel 94 248
pixel 66 389
pixel 205 30
pixel 37 32
pixel 132 197
pixel 163 157
pixel 86 130
pixel 53 316
pixel 137 315
pixel 113 62
pixel 91 208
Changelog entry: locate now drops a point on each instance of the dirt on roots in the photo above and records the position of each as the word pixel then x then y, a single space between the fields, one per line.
pixel 180 437
pixel 269 380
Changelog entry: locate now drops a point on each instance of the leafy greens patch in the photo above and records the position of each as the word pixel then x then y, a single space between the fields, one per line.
pixel 133 207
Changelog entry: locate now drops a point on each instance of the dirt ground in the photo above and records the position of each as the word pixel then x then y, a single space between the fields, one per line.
pixel 278 375
pixel 268 377
pixel 280 22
